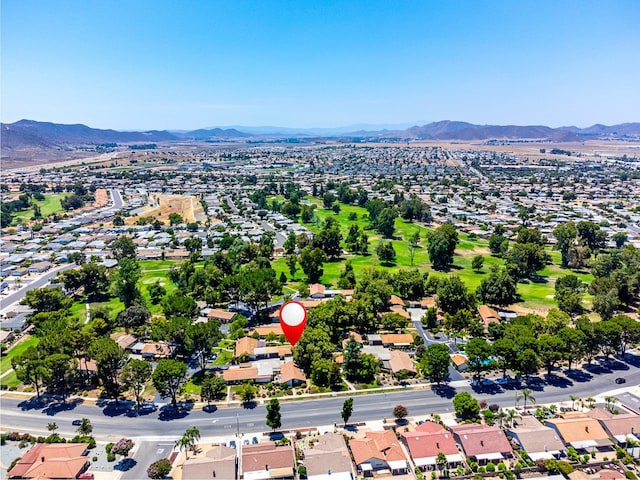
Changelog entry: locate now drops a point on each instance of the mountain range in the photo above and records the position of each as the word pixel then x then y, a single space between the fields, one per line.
pixel 27 139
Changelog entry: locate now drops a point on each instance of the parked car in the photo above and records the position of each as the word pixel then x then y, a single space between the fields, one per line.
pixel 254 440
pixel 232 444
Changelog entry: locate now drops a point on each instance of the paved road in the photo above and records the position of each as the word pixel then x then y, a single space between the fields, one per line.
pixel 279 239
pixel 110 422
pixel 117 199
pixel 40 282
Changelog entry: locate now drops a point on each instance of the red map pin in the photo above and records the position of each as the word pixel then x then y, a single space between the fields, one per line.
pixel 293 319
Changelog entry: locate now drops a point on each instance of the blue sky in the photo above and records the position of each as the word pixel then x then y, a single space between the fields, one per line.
pixel 143 64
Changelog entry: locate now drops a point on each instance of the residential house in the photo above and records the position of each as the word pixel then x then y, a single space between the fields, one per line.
pixel 583 433
pixel 52 461
pixel 267 461
pixel 317 290
pixel 220 462
pixel 488 316
pixel 157 351
pixel 378 451
pixel 396 340
pixel 459 362
pixel 292 375
pixel 399 361
pixel 246 346
pixel 538 441
pixel 427 441
pixel 482 443
pixel 223 316
pixel 623 428
pixel 327 457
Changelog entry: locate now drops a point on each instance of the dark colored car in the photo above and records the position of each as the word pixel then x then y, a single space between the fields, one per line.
pixel 76 422
pixel 620 380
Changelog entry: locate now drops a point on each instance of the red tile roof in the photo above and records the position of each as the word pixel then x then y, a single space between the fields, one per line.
pixel 51 461
pixel 382 445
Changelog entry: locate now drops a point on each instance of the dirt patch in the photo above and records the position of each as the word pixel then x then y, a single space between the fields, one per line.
pixel 161 206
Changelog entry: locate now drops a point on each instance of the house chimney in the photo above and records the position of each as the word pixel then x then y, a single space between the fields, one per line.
pixel 437 444
pixel 586 428
pixel 42 459
pixel 482 443
pixel 266 467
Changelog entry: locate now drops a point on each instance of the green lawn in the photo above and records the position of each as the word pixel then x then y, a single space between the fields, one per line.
pixel 19 349
pixel 537 296
pixel 50 205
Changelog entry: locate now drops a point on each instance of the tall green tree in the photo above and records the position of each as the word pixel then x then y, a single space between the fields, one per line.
pixel 110 358
pixel 465 406
pixel 31 369
pixel 565 235
pixel 435 362
pixel 274 418
pixel 478 353
pixel 347 410
pixel 123 247
pixel 126 280
pixel 134 377
pixel 47 299
pixel 499 288
pixel 452 295
pixel 442 245
pixel 311 261
pixel 169 377
pixel 201 338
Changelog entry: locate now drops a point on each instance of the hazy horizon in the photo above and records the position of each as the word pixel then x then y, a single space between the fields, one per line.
pixel 165 65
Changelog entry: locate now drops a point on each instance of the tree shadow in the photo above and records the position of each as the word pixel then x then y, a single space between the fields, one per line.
pixel 169 412
pixel 579 375
pixel 209 409
pixel 34 403
pixel 250 405
pixel 125 464
pixel 631 359
pixel 56 407
pixel 557 381
pixel 444 391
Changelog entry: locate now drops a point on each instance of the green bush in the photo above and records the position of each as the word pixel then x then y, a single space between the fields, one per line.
pixel 491 467
pixel 630 475
pixel 111 457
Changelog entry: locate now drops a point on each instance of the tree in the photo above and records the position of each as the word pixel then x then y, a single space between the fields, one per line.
pixel 574 344
pixel 156 292
pixel 400 411
pixel 31 368
pixel 526 259
pixel 212 387
pixel 351 354
pixel 274 418
pixel 135 375
pixel 325 373
pixel 110 358
pixel 590 235
pixel 385 222
pixel 289 244
pixel 499 288
pixel 123 247
pixel 465 406
pixel 413 244
pixel 478 352
pixel 435 362
pixel 292 261
pixel 189 440
pixel 452 295
pixel 159 469
pixel 442 245
pixel 52 427
pixel 386 253
pixel 347 410
pixel 568 293
pixel 175 219
pixel 122 447
pixel 505 352
pixel 179 305
pixel 248 392
pixel 61 368
pixel 133 316
pixel 47 299
pixel 498 244
pixel 526 395
pixel 85 428
pixel 528 362
pixel 168 378
pixel 550 349
pixel 201 338
pixel 126 279
pixel 477 262
pixel 620 238
pixel 311 261
pixel 328 240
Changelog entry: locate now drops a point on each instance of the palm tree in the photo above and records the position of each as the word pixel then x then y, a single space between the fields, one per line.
pixel 441 461
pixel 500 416
pixel 590 401
pixel 573 399
pixel 52 427
pixel 511 416
pixel 610 402
pixel 526 395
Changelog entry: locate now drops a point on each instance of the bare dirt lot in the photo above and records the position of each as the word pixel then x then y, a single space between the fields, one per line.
pixel 161 206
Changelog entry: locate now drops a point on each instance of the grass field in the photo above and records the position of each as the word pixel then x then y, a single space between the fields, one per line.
pixel 19 349
pixel 536 296
pixel 50 205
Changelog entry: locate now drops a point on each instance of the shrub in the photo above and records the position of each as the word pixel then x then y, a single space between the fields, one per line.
pixel 491 467
pixel 502 467
pixel 94 459
pixel 630 475
pixel 111 457
pixel 159 469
